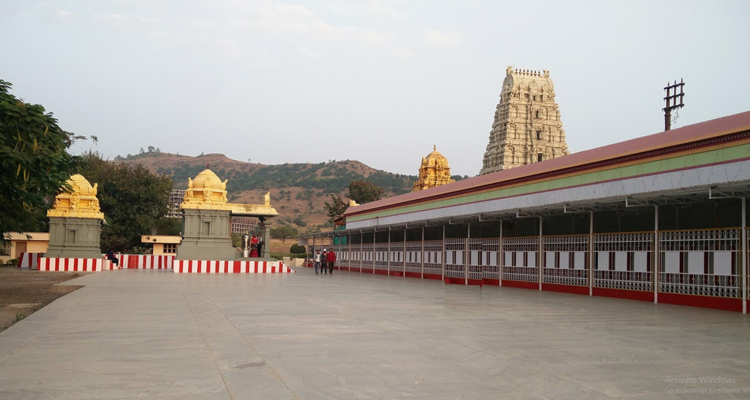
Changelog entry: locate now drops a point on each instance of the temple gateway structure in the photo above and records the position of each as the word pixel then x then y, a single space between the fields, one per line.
pixel 75 222
pixel 206 220
pixel 527 127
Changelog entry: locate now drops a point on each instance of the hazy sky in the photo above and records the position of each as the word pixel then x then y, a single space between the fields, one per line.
pixel 376 81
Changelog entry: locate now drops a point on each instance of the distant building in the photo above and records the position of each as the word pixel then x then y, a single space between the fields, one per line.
pixel 23 242
pixel 243 224
pixel 175 199
pixel 162 244
pixel 527 127
pixel 434 171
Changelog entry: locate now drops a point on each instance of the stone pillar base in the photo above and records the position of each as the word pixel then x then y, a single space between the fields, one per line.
pixel 74 238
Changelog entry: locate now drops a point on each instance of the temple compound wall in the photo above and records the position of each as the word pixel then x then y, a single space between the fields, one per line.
pixel 660 218
pixel 527 127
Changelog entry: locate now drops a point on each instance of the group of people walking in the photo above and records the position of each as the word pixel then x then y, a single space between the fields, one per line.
pixel 324 262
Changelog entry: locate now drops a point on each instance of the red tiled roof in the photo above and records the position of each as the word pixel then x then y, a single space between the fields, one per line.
pixel 691 133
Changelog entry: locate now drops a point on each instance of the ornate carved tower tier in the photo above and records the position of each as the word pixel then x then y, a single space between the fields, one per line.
pixel 434 171
pixel 527 127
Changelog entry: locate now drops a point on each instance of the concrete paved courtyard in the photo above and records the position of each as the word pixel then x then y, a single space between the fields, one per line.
pixel 158 335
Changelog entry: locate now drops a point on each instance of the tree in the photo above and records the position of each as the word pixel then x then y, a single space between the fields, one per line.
pixel 283 232
pixel 363 191
pixel 297 249
pixel 34 163
pixel 133 201
pixel 336 208
pixel 169 226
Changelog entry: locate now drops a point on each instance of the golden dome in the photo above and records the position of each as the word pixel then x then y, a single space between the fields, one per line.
pixel 207 180
pixel 206 191
pixel 434 171
pixel 435 159
pixel 78 202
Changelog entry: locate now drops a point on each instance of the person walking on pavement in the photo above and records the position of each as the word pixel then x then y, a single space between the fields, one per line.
pixel 317 262
pixel 324 262
pixel 331 258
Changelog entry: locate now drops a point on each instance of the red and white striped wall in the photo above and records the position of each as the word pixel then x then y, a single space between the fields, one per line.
pixel 145 261
pixel 71 264
pixel 29 260
pixel 229 267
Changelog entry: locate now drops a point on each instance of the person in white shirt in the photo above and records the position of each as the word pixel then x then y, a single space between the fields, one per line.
pixel 317 262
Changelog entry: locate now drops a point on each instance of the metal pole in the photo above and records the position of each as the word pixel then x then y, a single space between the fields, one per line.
pixel 388 256
pixel 501 257
pixel 671 101
pixel 539 261
pixel 467 254
pixel 361 250
pixel 374 253
pixel 743 284
pixel 657 256
pixel 403 255
pixel 591 253
pixel 421 257
pixel 442 267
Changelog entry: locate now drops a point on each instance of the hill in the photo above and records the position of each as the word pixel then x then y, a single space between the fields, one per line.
pixel 298 191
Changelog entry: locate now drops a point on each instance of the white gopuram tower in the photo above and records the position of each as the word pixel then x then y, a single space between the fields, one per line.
pixel 527 127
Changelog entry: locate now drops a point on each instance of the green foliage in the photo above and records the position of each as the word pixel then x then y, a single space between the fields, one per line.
pixel 186 170
pixel 169 226
pixel 283 232
pixel 299 222
pixel 133 201
pixel 236 239
pixel 34 163
pixel 363 191
pixel 297 249
pixel 335 209
pixel 152 152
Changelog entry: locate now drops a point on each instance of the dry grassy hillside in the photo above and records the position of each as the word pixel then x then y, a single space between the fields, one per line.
pixel 298 191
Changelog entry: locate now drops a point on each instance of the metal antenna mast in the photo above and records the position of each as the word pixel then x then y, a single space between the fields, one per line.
pixel 671 101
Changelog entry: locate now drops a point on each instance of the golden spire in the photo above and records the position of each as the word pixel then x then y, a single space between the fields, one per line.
pixel 79 202
pixel 206 191
pixel 433 171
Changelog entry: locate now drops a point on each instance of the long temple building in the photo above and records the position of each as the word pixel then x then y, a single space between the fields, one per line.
pixel 660 218
pixel 527 127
